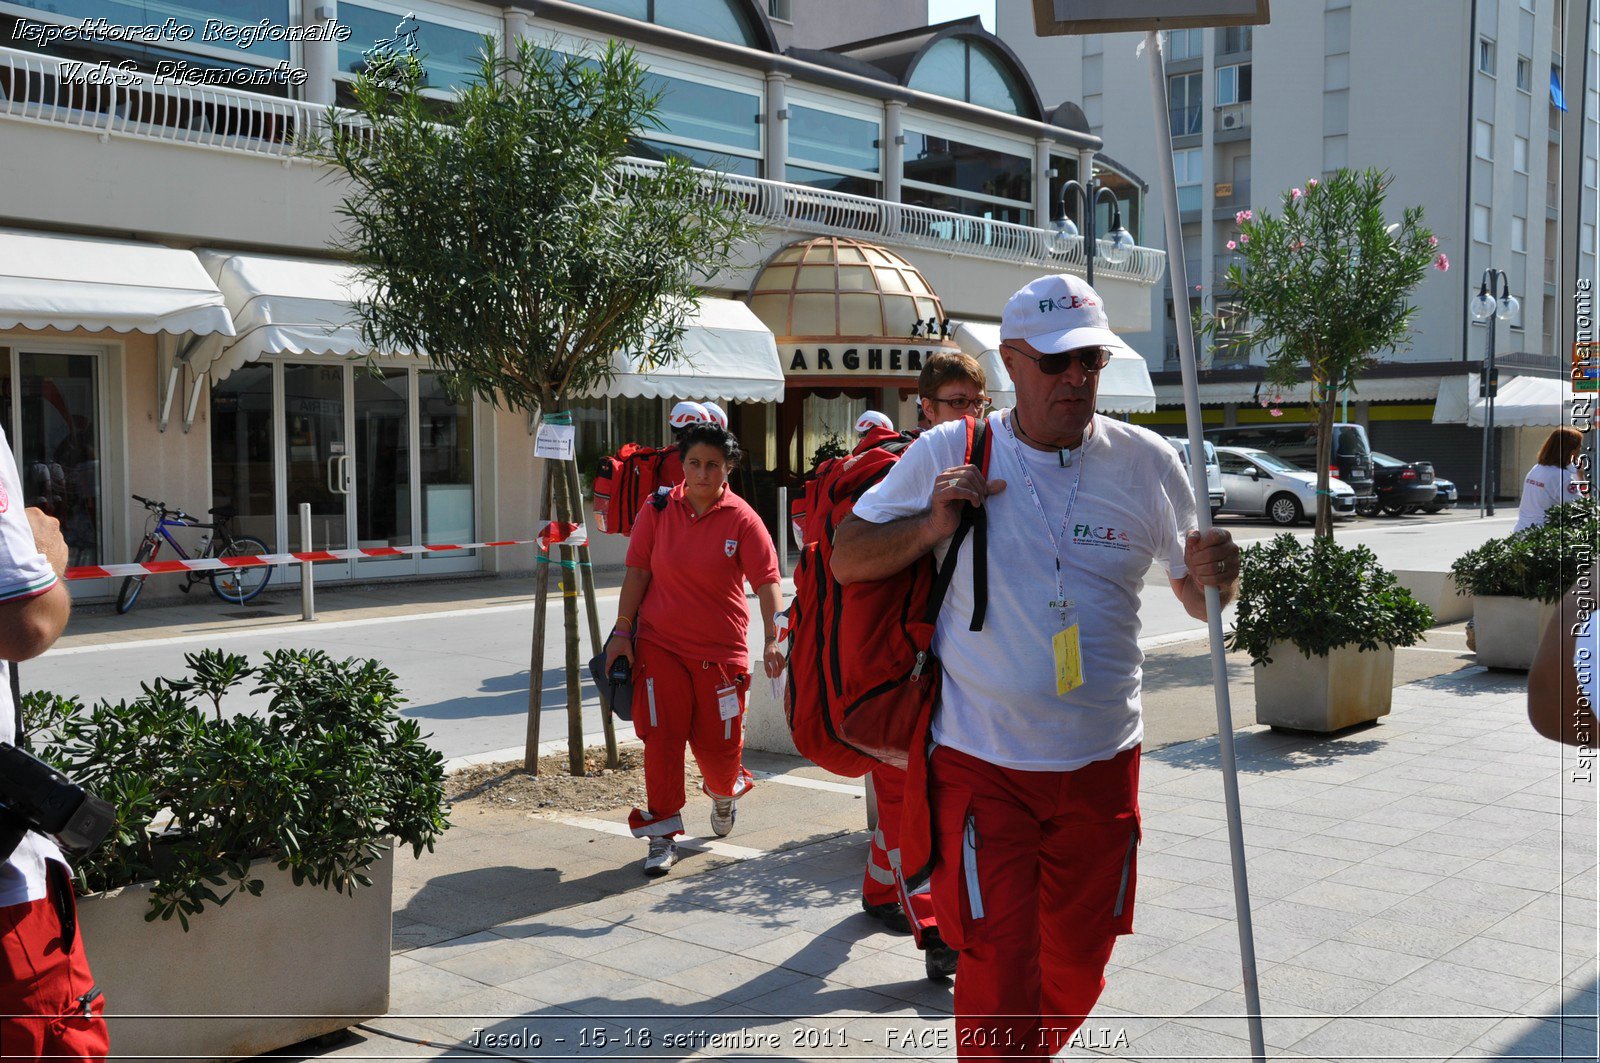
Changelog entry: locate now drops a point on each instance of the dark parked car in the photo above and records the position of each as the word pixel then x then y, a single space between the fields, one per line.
pixel 1402 485
pixel 1447 497
pixel 1351 460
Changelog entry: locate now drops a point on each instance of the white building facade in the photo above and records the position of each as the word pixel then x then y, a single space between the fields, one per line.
pixel 174 321
pixel 1458 99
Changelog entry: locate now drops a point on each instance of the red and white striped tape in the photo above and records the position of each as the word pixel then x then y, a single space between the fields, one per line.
pixel 569 535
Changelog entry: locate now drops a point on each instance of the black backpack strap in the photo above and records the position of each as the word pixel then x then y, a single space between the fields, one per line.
pixel 973 519
pixel 659 499
pixel 978 516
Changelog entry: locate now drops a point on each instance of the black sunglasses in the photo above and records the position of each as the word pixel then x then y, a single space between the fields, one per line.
pixel 1089 359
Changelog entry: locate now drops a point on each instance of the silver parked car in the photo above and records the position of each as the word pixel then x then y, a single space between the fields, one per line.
pixel 1213 471
pixel 1259 484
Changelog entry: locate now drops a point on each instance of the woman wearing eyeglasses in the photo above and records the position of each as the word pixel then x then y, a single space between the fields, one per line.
pixel 1029 796
pixel 950 387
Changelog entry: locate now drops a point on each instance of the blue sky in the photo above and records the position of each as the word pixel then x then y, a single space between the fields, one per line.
pixel 945 10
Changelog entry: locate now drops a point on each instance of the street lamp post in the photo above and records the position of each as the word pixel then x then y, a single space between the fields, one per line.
pixel 1488 309
pixel 1119 243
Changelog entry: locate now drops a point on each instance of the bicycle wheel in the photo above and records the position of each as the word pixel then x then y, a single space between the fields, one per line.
pixel 132 585
pixel 239 585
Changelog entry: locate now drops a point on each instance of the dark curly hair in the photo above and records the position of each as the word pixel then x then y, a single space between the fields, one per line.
pixel 711 435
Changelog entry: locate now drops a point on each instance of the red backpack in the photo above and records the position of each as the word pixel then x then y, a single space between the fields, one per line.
pixel 809 512
pixel 624 481
pixel 862 679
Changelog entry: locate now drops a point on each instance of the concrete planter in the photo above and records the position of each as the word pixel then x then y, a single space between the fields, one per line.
pixel 1345 688
pixel 249 977
pixel 1436 589
pixel 1507 629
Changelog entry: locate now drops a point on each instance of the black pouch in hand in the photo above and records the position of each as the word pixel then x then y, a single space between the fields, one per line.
pixel 616 691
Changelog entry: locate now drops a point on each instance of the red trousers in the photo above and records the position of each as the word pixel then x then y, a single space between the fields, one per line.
pixel 42 978
pixel 676 704
pixel 881 884
pixel 1032 882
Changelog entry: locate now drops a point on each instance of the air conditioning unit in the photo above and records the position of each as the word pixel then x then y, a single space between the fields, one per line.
pixel 1232 120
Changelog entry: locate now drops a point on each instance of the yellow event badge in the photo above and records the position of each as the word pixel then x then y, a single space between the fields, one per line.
pixel 1068 653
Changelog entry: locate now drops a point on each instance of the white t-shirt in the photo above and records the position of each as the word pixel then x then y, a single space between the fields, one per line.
pixel 1133 507
pixel 1545 486
pixel 24 573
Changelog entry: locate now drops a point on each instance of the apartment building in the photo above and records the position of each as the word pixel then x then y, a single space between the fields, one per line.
pixel 175 322
pixel 1459 101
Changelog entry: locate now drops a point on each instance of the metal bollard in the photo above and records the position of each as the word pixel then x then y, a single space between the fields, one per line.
pixel 783 531
pixel 308 594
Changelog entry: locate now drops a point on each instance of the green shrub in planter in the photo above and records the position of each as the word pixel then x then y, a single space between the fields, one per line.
pixel 318 780
pixel 1320 596
pixel 1540 562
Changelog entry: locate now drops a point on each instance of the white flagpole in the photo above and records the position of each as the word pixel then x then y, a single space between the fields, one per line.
pixel 1177 268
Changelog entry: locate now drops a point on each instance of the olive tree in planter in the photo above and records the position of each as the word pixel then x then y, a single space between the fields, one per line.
pixel 1320 623
pixel 243 902
pixel 1516 582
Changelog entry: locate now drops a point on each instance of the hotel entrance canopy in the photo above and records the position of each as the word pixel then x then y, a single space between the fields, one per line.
pixel 77 282
pixel 727 354
pixel 284 306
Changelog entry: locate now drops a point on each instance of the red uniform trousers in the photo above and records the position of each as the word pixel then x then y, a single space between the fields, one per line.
pixel 881 884
pixel 42 977
pixel 675 703
pixel 1033 880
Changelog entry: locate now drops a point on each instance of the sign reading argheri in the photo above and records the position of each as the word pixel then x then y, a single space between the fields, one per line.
pixel 855 360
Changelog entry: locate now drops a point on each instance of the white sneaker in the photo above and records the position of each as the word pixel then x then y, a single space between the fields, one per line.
pixel 663 854
pixel 723 814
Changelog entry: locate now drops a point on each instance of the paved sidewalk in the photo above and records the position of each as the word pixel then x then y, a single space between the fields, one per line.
pixel 1423 889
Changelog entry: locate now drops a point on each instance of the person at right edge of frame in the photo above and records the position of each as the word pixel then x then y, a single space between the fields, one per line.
pixel 49 1005
pixel 1033 764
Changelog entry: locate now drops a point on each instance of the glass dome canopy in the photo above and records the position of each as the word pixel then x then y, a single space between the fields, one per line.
pixel 833 288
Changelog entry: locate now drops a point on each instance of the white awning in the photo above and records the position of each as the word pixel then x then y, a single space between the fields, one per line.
pixel 1125 385
pixel 1525 402
pixel 1376 389
pixel 283 306
pixel 75 282
pixel 728 354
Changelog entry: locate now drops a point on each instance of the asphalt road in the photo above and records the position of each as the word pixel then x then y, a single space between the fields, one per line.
pixel 465 671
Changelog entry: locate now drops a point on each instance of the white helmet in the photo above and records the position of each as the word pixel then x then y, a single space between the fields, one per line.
pixel 685 414
pixel 718 418
pixel 873 419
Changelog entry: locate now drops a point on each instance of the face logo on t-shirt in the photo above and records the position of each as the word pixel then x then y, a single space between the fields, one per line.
pixel 1100 535
pixel 730 547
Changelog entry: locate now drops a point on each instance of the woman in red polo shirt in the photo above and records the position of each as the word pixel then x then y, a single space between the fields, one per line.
pixel 683 623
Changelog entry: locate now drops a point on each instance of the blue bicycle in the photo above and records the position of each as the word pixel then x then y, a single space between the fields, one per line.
pixel 237 585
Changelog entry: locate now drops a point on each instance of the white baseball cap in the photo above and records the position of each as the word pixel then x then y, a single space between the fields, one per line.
pixel 873 419
pixel 685 414
pixel 714 412
pixel 1058 313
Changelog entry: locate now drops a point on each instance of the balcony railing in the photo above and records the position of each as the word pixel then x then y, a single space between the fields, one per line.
pixel 109 101
pixel 43 89
pixel 801 208
pixel 1231 194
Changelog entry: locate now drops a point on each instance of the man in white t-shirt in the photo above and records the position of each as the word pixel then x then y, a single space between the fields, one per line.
pixel 49 1006
pixel 1035 746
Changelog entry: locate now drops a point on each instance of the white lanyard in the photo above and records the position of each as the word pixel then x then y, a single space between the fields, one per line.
pixel 1060 603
